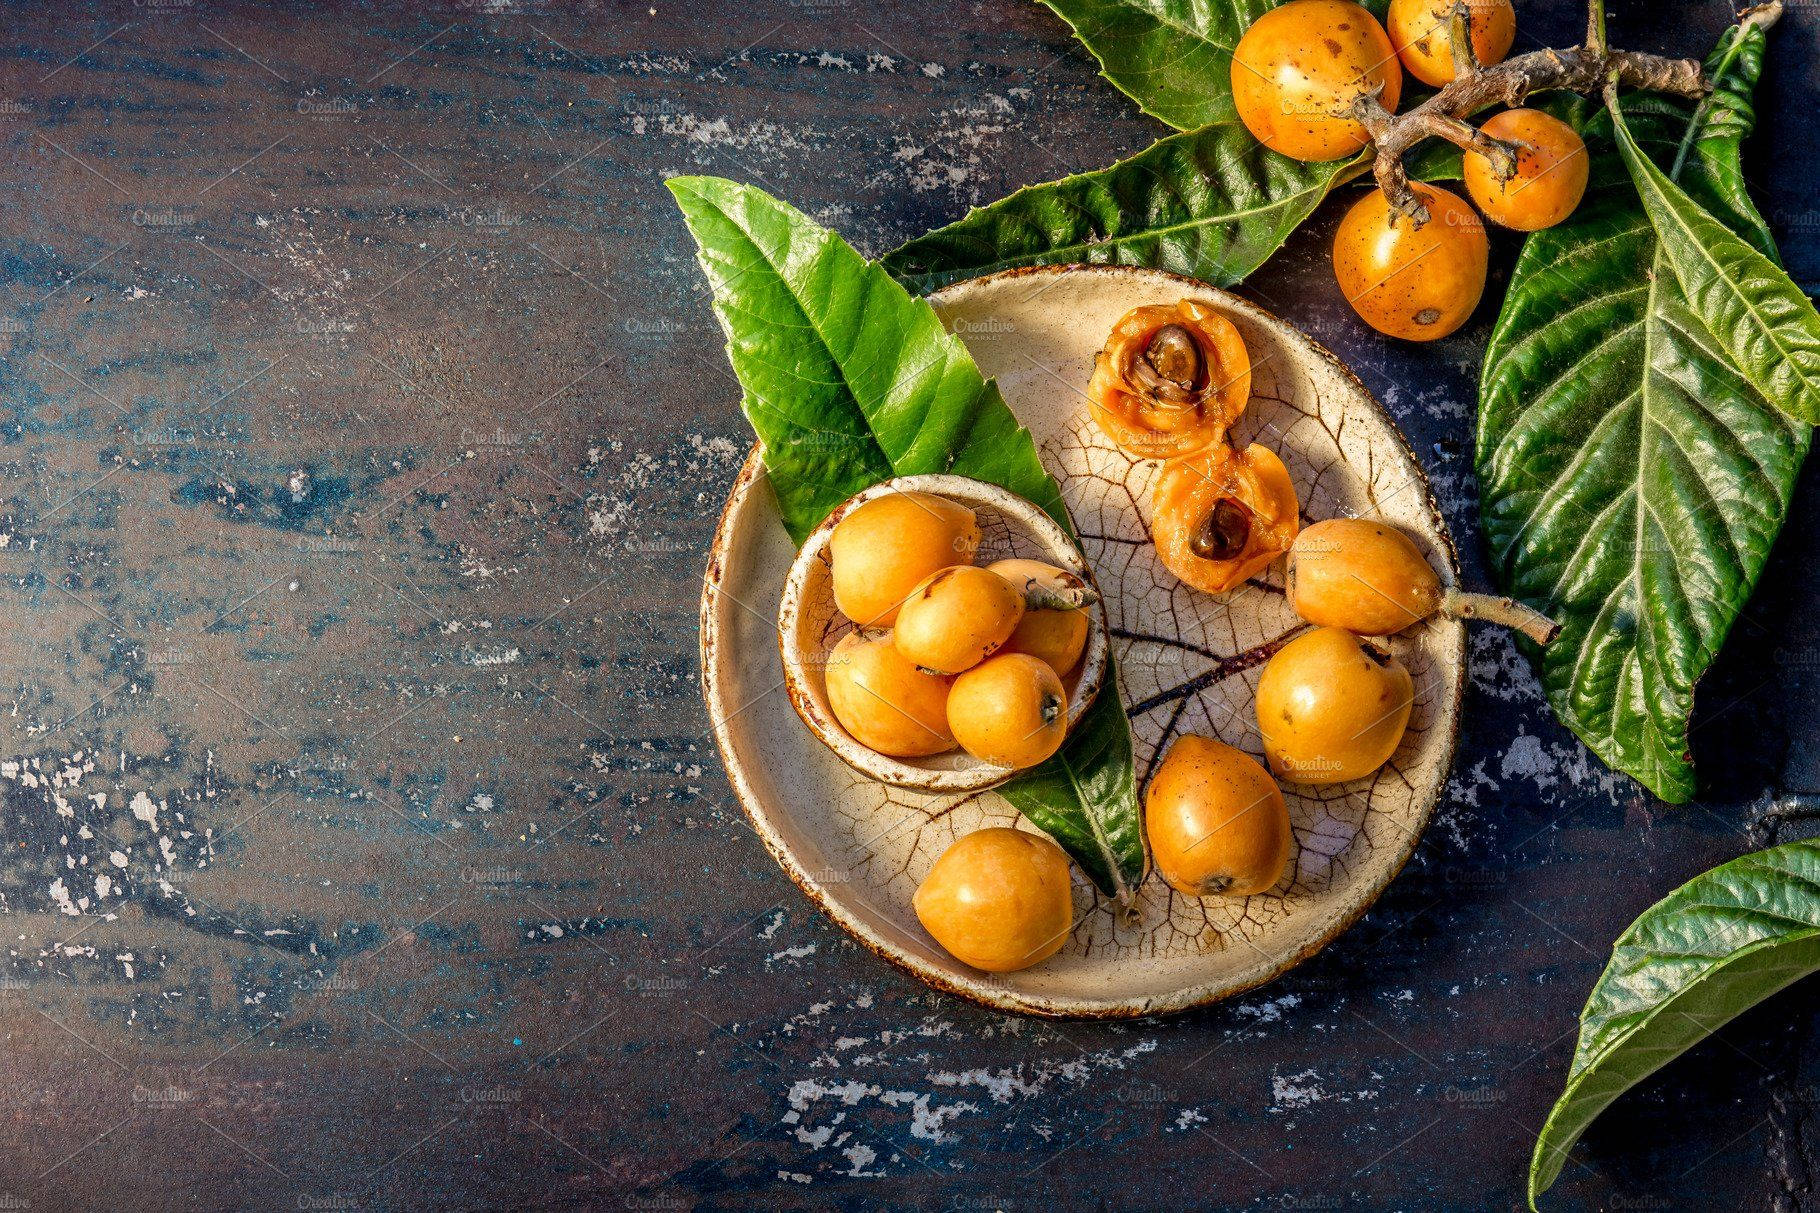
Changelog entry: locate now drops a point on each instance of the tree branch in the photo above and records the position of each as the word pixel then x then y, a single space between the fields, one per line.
pixel 1580 69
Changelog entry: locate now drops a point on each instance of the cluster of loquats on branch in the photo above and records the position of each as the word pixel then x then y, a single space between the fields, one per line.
pixel 1495 149
pixel 1320 80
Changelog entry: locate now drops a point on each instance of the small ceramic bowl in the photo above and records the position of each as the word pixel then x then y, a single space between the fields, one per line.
pixel 809 626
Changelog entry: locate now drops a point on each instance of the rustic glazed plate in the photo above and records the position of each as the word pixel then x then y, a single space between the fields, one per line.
pixel 809 625
pixel 1186 662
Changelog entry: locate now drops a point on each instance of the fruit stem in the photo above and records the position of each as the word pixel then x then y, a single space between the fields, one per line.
pixel 1073 595
pixel 1465 54
pixel 1595 26
pixel 1506 611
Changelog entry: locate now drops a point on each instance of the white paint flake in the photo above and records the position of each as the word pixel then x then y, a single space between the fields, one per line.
pixel 1268 1012
pixel 1290 1092
pixel 796 953
pixel 60 895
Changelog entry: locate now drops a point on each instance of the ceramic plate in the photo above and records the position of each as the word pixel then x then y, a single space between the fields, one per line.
pixel 1187 662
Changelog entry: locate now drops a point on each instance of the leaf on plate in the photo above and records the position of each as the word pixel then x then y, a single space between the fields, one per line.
pixel 1707 952
pixel 848 381
pixel 1771 333
pixel 1632 480
pixel 1213 204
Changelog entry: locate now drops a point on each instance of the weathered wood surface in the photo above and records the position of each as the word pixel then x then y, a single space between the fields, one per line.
pixel 364 426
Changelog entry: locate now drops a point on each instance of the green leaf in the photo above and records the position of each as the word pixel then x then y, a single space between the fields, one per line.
pixel 1213 204
pixel 1770 331
pixel 1707 952
pixel 1632 480
pixel 1094 773
pixel 1172 57
pixel 848 381
pixel 1435 160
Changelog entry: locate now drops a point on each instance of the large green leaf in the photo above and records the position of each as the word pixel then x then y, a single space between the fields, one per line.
pixel 1213 204
pixel 1769 330
pixel 1172 57
pixel 1631 479
pixel 849 380
pixel 1707 952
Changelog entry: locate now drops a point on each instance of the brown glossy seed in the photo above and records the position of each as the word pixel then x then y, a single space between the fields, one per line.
pixel 1175 355
pixel 1222 536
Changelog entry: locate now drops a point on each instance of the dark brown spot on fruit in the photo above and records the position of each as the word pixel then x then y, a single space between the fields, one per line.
pixel 1334 48
pixel 1428 315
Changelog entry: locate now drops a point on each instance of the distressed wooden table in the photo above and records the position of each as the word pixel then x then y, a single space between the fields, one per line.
pixel 364 846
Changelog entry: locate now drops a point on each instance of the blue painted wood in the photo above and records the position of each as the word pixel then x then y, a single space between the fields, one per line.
pixel 364 426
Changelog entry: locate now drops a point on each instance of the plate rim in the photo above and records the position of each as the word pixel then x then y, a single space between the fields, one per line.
pixel 982 993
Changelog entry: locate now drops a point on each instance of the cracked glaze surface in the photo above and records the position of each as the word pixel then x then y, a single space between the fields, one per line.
pixel 1188 663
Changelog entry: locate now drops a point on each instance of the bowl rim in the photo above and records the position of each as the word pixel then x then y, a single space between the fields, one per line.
pixel 1057 547
pixel 976 989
